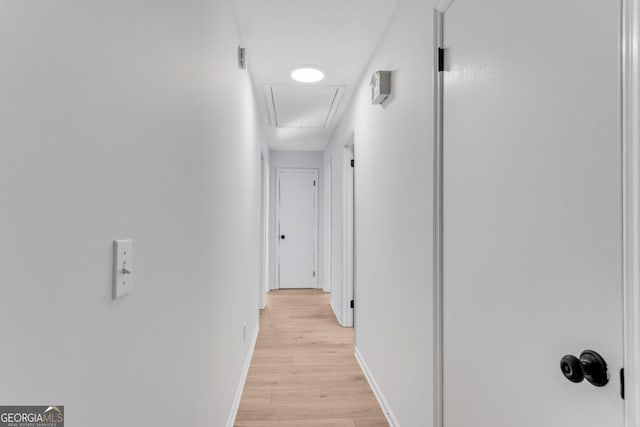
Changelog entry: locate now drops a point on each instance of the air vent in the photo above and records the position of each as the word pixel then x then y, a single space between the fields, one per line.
pixel 292 106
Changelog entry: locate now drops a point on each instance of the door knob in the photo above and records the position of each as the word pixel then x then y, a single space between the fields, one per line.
pixel 591 366
pixel 282 237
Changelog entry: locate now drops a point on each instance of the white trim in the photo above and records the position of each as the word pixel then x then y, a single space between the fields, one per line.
pixel 337 314
pixel 328 227
pixel 271 108
pixel 334 106
pixel 316 173
pixel 438 188
pixel 382 401
pixel 243 379
pixel 276 236
pixel 348 276
pixel 264 224
pixel 267 231
pixel 444 5
pixel 630 57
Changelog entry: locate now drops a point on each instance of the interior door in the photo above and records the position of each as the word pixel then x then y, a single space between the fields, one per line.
pixel 297 216
pixel 532 212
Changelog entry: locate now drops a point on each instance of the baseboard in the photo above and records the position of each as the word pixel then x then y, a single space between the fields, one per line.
pixel 382 401
pixel 243 378
pixel 336 313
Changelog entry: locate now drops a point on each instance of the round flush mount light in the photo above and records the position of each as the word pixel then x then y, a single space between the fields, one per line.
pixel 307 74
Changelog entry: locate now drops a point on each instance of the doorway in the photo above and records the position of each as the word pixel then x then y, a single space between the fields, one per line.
pixel 297 224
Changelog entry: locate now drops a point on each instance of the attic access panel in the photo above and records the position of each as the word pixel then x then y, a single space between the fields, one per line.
pixel 296 106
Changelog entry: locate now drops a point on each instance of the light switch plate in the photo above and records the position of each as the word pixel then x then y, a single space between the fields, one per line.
pixel 122 267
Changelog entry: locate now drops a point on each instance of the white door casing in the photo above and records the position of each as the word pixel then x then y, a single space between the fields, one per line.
pixel 630 59
pixel 348 244
pixel 262 254
pixel 532 210
pixel 328 229
pixel 267 230
pixel 297 223
pixel 263 285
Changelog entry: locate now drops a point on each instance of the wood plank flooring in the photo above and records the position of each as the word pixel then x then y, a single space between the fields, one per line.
pixel 303 371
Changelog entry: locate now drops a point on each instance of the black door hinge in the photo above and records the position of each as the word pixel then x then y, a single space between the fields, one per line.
pixel 622 383
pixel 314 182
pixel 440 59
pixel 351 303
pixel 314 274
pixel 353 162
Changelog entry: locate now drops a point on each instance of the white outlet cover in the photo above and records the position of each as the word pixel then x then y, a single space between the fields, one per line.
pixel 122 267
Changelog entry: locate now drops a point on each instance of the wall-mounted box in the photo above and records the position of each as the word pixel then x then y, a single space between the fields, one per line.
pixel 380 86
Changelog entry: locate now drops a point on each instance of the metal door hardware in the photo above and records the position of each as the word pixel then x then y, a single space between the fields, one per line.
pixel 591 366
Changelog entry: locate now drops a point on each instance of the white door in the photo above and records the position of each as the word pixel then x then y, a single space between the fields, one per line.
pixel 297 228
pixel 532 211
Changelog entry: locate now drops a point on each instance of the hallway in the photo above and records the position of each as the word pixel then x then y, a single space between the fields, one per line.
pixel 303 371
pixel 196 197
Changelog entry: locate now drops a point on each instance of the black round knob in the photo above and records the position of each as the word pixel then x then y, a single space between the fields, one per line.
pixel 572 368
pixel 591 366
pixel 282 237
pixel 595 368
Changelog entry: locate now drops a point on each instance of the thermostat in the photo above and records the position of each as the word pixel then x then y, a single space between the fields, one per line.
pixel 380 86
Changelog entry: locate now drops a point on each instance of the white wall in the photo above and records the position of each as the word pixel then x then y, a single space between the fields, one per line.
pixel 126 119
pixel 292 159
pixel 393 202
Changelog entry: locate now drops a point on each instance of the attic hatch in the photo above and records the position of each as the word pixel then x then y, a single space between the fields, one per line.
pixel 306 107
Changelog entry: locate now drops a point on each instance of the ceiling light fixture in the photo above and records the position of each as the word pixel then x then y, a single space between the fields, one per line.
pixel 307 75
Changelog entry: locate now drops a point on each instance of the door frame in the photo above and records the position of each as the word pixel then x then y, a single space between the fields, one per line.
pixel 348 234
pixel 630 126
pixel 263 285
pixel 261 228
pixel 327 227
pixel 279 171
pixel 630 87
pixel 438 230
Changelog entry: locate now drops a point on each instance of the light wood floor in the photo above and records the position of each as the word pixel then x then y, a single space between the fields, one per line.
pixel 303 371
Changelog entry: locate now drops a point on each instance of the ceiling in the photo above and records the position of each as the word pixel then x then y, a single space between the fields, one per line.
pixel 337 36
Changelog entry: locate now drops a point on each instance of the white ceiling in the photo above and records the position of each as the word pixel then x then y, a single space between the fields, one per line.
pixel 338 36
